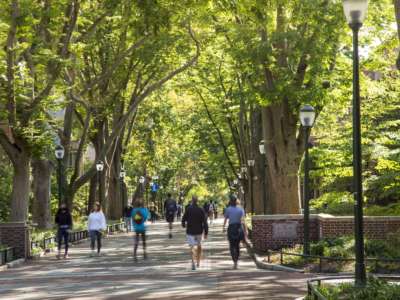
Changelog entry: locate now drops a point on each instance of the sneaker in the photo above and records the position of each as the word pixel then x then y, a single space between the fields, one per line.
pixel 66 256
pixel 193 266
pixel 235 265
pixel 58 256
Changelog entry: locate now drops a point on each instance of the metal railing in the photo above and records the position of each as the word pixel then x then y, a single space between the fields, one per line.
pixel 314 284
pixel 6 255
pixel 74 236
pixel 321 259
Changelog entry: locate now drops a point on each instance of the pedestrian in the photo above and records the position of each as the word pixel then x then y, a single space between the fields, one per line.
pixel 139 216
pixel 127 218
pixel 96 226
pixel 236 228
pixel 153 213
pixel 170 208
pixel 196 225
pixel 215 210
pixel 179 212
pixel 63 220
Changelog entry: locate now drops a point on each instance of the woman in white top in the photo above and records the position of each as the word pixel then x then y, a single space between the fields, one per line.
pixel 96 224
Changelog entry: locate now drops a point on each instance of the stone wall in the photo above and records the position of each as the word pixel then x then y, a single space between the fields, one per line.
pixel 16 235
pixel 277 231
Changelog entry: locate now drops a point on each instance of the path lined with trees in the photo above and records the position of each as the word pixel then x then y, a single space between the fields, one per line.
pixel 165 275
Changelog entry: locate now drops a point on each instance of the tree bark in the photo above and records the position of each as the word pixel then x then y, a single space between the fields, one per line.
pixel 397 14
pixel 114 187
pixel 20 190
pixel 41 212
pixel 283 159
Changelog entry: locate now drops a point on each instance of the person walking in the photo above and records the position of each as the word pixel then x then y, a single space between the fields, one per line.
pixel 140 214
pixel 127 218
pixel 170 208
pixel 63 220
pixel 195 222
pixel 236 228
pixel 96 225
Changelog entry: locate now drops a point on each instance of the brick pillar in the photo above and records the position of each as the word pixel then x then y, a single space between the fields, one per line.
pixel 16 235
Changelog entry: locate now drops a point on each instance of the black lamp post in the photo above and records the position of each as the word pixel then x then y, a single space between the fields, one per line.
pixel 122 192
pixel 100 168
pixel 59 153
pixel 263 151
pixel 307 118
pixel 355 11
pixel 251 163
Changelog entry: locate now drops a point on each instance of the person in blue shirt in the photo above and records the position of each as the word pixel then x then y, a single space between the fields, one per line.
pixel 139 215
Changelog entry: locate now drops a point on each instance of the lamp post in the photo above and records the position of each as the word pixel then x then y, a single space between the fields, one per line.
pixel 59 153
pixel 243 170
pixel 355 12
pixel 122 175
pixel 307 118
pixel 251 163
pixel 100 168
pixel 142 181
pixel 263 151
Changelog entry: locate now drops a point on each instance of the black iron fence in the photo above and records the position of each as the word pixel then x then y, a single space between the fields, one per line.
pixel 74 236
pixel 322 259
pixel 313 285
pixel 7 255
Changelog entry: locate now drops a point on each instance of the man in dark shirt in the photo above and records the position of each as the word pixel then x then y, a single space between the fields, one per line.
pixel 195 222
pixel 170 208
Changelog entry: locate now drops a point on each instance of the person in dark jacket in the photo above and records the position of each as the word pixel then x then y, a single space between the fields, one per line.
pixel 64 223
pixel 195 221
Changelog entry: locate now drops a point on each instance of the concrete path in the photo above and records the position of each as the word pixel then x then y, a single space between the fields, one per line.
pixel 166 274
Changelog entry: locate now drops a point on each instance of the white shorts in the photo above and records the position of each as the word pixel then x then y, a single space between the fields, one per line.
pixel 194 240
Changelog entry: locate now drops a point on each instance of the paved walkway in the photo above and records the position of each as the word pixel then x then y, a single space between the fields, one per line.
pixel 165 275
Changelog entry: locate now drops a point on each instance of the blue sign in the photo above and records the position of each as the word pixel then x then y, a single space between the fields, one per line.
pixel 154 187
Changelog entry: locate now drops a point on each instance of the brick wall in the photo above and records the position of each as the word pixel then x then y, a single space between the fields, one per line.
pixel 277 231
pixel 16 235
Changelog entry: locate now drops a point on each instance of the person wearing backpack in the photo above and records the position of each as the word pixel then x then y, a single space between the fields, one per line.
pixel 96 225
pixel 140 214
pixel 236 229
pixel 170 208
pixel 64 223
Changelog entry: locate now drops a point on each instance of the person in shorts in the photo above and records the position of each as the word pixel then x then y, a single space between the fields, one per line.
pixel 195 222
pixel 170 208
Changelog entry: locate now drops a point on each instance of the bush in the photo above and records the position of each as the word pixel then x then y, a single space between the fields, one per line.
pixel 334 203
pixel 376 290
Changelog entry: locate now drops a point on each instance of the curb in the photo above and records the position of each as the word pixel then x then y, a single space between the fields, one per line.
pixel 12 264
pixel 268 266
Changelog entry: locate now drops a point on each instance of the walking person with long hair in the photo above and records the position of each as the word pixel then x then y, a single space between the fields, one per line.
pixel 96 225
pixel 236 229
pixel 64 223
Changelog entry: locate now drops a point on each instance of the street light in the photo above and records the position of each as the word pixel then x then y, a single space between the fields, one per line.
pixel 100 168
pixel 307 119
pixel 251 163
pixel 59 153
pixel 261 146
pixel 355 12
pixel 141 180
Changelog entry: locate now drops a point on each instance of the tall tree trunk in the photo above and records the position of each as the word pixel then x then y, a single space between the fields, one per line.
pixel 92 193
pixel 283 159
pixel 20 190
pixel 19 155
pixel 397 14
pixel 41 212
pixel 114 186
